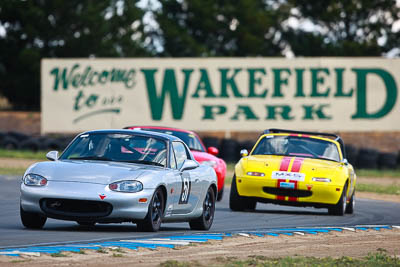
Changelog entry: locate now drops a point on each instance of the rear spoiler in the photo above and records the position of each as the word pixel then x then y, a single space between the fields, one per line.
pixel 336 137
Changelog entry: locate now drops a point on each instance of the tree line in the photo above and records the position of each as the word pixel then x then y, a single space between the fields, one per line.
pixel 36 29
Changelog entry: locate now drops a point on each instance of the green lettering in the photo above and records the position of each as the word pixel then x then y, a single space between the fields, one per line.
pixel 278 81
pixel 204 85
pixel 310 110
pixel 91 101
pixel 245 111
pixel 78 98
pixel 84 76
pixel 62 77
pixel 75 80
pixel 253 81
pixel 211 111
pixel 170 87
pixel 391 93
pixel 93 74
pixel 282 110
pixel 339 84
pixel 316 80
pixel 129 81
pixel 103 77
pixel 299 83
pixel 229 81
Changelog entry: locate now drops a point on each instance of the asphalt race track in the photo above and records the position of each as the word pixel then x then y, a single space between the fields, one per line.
pixel 266 216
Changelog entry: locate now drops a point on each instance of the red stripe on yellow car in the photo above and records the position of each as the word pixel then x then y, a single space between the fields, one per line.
pixel 283 167
pixel 296 166
pixel 285 163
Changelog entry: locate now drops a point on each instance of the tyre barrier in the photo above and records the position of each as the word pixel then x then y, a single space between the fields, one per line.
pixel 18 135
pixel 247 144
pixel 351 154
pixel 387 160
pixel 360 158
pixel 16 140
pixel 367 158
pixel 33 144
pixel 229 150
pixel 9 142
pixel 211 142
pixel 54 144
pixel 398 159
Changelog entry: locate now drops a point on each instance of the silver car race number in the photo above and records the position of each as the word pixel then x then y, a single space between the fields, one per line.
pixel 186 186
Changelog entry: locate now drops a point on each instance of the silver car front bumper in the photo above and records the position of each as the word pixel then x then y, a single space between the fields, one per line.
pixel 124 206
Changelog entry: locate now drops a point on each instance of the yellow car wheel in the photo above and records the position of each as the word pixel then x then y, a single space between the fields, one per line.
pixel 239 203
pixel 340 208
pixel 352 203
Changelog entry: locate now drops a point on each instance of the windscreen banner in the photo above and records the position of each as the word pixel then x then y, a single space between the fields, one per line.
pixel 221 94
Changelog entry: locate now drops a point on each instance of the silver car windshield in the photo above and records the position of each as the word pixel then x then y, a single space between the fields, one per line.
pixel 118 147
pixel 297 146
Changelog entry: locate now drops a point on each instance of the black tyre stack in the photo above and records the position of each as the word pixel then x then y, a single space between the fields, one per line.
pixel 367 158
pixel 229 150
pixel 352 154
pixel 211 142
pixel 12 140
pixel 387 160
pixel 15 140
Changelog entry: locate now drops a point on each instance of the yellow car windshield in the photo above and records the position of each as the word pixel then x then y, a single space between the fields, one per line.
pixel 297 146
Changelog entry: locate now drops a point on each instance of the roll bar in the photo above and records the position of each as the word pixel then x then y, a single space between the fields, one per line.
pixel 336 137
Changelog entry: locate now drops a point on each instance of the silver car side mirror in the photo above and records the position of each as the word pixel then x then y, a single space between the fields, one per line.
pixel 52 155
pixel 244 152
pixel 189 164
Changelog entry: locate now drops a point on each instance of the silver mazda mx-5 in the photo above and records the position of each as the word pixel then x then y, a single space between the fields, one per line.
pixel 109 176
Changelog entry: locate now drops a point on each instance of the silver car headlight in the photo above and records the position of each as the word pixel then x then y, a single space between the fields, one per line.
pixel 211 163
pixel 34 180
pixel 126 186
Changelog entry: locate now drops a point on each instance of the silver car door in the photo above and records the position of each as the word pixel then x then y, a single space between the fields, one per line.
pixel 189 190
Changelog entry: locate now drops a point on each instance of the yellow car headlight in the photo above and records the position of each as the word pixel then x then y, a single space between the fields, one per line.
pixel 261 174
pixel 320 179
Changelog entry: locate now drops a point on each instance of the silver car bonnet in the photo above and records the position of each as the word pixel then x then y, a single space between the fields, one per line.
pixel 90 171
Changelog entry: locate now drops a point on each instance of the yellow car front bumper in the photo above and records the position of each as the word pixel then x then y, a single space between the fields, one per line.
pixel 273 190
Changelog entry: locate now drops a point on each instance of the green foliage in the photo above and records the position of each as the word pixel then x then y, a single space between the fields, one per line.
pixel 380 258
pixel 219 28
pixel 74 28
pixel 102 250
pixel 174 263
pixel 196 28
pixel 348 28
pixel 57 255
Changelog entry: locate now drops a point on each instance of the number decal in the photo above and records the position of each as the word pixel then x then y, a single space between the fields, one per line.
pixel 186 186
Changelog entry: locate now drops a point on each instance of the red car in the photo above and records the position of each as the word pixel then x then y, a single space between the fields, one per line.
pixel 203 156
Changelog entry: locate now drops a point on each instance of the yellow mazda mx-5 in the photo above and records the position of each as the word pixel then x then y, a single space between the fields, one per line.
pixel 297 169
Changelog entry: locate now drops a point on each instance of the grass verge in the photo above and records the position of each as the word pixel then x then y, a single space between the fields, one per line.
pixel 22 154
pixel 373 259
pixel 379 189
pixel 378 173
pixel 12 171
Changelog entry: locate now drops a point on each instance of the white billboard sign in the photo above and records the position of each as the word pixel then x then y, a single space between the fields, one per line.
pixel 221 94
